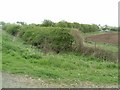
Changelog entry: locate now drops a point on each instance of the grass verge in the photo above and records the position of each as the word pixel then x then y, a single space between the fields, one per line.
pixel 69 68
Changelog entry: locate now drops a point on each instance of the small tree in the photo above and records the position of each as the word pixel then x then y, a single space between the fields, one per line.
pixel 21 23
pixel 62 24
pixel 47 23
pixel 2 23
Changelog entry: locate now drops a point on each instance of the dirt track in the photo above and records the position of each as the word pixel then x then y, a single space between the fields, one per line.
pixel 111 38
pixel 20 81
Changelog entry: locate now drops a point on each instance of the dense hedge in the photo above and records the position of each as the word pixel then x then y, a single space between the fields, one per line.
pixel 88 28
pixel 56 39
pixel 47 38
pixel 11 28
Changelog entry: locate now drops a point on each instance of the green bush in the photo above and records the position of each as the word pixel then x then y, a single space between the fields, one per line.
pixel 13 29
pixel 55 39
pixel 47 38
pixel 99 53
pixel 88 28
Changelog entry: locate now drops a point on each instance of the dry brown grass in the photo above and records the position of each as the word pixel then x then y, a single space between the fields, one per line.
pixel 79 46
pixel 100 53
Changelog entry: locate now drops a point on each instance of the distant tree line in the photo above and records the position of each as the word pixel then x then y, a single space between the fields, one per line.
pixel 86 28
pixel 82 27
pixel 64 24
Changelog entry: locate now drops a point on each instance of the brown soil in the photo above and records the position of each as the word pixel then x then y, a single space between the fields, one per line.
pixel 111 38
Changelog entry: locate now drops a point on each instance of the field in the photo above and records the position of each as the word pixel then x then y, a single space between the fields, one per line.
pixel 110 38
pixel 63 68
pixel 104 40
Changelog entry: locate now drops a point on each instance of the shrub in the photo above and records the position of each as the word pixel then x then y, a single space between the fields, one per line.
pixel 88 28
pixel 13 29
pixel 99 53
pixel 56 39
pixel 47 38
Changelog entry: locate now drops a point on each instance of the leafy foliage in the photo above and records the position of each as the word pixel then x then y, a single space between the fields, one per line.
pixel 47 23
pixel 48 38
pixel 57 39
pixel 11 28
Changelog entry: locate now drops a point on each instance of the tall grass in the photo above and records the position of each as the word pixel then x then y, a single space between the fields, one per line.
pixel 108 47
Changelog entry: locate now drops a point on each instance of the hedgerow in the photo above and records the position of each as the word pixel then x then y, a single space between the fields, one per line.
pixel 56 39
pixel 47 38
pixel 11 28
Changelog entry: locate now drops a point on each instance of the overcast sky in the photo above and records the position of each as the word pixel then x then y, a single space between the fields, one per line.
pixel 82 11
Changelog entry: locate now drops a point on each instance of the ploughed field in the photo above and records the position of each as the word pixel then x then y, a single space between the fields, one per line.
pixel 111 38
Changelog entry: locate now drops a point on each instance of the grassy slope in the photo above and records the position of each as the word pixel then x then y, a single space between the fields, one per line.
pixel 0 49
pixel 109 47
pixel 68 68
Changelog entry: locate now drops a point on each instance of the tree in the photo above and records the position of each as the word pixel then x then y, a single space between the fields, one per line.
pixel 21 23
pixel 76 25
pixel 47 23
pixel 2 23
pixel 62 24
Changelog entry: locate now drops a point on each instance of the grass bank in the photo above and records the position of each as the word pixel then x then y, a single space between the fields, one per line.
pixel 69 68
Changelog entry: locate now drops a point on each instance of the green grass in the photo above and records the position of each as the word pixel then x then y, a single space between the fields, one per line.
pixel 69 68
pixel 92 33
pixel 109 47
pixel 0 49
pixel 96 33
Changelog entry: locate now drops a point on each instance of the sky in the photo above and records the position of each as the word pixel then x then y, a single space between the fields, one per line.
pixel 103 12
